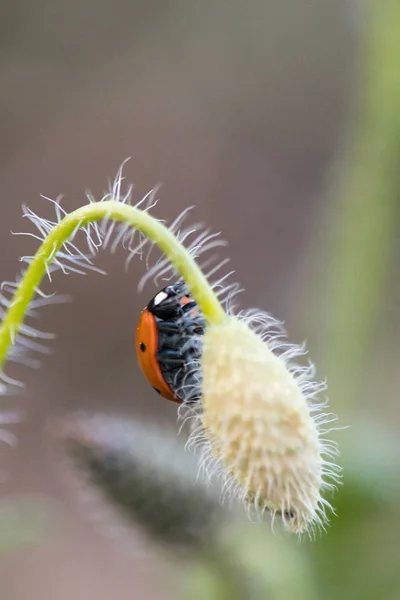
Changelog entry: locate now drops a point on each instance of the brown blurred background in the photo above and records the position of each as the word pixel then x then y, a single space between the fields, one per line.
pixel 240 108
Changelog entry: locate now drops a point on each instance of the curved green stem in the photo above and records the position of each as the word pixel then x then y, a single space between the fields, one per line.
pixel 115 211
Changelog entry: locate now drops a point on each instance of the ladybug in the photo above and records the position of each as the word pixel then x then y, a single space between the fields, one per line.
pixel 169 344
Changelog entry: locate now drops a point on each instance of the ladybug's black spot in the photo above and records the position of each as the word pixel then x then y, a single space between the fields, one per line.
pixel 142 347
pixel 158 391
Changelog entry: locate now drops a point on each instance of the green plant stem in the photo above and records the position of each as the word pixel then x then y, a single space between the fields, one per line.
pixel 115 211
pixel 365 226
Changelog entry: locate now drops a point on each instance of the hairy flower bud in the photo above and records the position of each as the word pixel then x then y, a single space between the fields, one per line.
pixel 257 421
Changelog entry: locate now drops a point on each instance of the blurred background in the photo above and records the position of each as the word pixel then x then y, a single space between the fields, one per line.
pixel 251 112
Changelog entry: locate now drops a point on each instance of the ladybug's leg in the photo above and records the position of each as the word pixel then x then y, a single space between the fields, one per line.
pixel 189 307
pixel 168 327
pixel 171 357
pixel 195 329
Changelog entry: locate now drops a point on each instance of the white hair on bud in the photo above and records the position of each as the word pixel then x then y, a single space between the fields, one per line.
pixel 8 417
pixel 260 425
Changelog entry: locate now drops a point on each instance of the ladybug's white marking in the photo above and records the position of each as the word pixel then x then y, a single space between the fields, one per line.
pixel 161 296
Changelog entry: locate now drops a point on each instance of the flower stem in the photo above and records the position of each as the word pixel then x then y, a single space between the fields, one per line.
pixel 115 211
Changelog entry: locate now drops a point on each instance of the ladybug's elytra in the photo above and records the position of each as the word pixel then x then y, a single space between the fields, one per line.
pixel 169 343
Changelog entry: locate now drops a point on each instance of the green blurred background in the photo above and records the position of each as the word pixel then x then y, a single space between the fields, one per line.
pixel 280 121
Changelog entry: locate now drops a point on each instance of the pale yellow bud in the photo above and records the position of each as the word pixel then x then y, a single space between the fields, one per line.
pixel 257 421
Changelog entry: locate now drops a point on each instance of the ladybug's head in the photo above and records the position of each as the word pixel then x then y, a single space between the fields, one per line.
pixel 167 304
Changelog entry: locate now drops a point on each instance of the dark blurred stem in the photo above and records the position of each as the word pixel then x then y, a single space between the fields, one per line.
pixel 364 232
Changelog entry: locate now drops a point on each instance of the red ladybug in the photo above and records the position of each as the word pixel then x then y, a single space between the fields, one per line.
pixel 169 344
